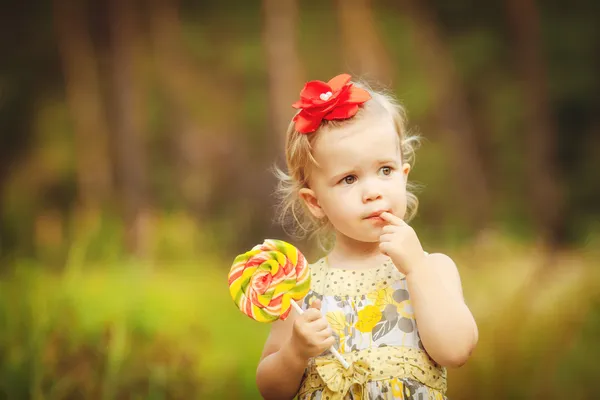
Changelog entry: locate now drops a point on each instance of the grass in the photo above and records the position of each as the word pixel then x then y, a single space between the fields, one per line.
pixel 130 330
pixel 125 330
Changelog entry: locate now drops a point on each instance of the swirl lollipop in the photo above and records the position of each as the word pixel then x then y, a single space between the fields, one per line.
pixel 266 282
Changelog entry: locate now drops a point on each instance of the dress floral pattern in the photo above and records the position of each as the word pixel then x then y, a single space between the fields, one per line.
pixel 373 322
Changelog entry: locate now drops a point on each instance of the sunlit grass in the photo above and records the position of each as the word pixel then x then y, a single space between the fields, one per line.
pixel 171 331
pixel 189 308
pixel 531 308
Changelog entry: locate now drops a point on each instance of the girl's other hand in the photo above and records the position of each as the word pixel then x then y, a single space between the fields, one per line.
pixel 400 242
pixel 311 334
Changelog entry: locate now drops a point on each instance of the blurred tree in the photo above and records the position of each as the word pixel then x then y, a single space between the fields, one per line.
pixel 545 197
pixel 284 70
pixel 29 77
pixel 196 140
pixel 85 101
pixel 127 125
pixel 454 116
pixel 178 83
pixel 284 75
pixel 364 54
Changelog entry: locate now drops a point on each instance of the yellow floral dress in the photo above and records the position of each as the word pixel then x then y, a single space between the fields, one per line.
pixel 375 329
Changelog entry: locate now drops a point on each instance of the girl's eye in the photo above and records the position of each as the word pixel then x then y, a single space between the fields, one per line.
pixel 349 180
pixel 386 170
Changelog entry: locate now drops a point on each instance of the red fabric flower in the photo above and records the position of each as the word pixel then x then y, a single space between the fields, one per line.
pixel 336 99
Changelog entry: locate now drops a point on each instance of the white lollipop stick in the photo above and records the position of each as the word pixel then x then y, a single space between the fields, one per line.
pixel 332 349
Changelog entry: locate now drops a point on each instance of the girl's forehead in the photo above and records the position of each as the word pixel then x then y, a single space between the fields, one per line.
pixel 358 142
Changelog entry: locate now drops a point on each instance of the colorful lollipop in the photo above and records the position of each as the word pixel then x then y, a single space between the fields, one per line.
pixel 266 282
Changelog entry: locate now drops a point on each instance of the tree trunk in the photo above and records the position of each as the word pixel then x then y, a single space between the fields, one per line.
pixel 283 66
pixel 284 74
pixel 190 152
pixel 545 194
pixel 363 50
pixel 127 126
pixel 454 116
pixel 84 98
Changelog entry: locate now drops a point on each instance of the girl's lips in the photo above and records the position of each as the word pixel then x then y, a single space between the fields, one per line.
pixel 376 215
pixel 375 218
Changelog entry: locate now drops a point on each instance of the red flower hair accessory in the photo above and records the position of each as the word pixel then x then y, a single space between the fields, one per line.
pixel 336 99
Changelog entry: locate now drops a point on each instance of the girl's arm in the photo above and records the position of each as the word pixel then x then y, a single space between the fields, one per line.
pixel 280 370
pixel 446 326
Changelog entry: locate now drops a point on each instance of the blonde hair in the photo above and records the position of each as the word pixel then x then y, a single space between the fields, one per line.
pixel 299 158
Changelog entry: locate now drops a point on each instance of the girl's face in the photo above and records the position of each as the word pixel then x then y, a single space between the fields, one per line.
pixel 360 175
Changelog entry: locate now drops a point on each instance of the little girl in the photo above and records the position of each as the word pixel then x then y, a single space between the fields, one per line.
pixel 394 312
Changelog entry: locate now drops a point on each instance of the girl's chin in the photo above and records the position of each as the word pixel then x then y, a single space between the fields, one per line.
pixel 371 237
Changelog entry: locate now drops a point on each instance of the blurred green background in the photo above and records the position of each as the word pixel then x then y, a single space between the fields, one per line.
pixel 136 139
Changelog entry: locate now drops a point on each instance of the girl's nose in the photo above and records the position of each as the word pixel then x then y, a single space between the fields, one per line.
pixel 371 193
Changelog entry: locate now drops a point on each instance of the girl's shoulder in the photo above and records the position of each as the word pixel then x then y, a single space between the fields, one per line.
pixel 446 268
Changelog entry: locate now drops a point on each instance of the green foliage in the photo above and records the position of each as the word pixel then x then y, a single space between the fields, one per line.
pixel 134 330
pixel 220 76
pixel 125 331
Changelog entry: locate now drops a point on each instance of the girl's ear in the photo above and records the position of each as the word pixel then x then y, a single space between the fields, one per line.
pixel 405 169
pixel 310 199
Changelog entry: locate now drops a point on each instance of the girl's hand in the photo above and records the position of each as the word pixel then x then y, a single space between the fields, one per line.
pixel 400 242
pixel 311 334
